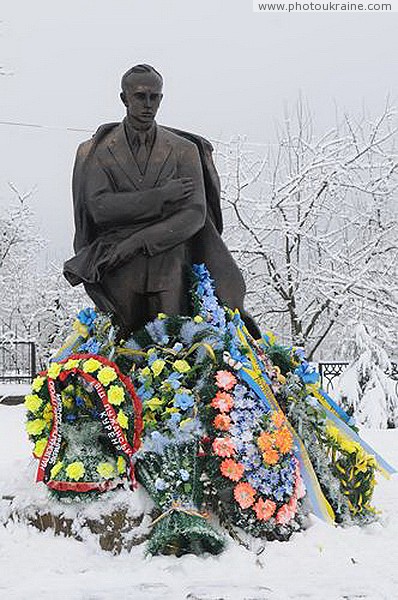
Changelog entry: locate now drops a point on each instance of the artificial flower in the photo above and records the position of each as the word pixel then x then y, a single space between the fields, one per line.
pixel 284 440
pixel 67 401
pixel 146 371
pixel 181 366
pixel 184 475
pixel 37 383
pixel 299 488
pixel 121 465
pixel 278 419
pixel 264 509
pixel 225 380
pixel 40 446
pixel 75 470
pixel 54 370
pixel 265 441
pixel 270 456
pixel 56 469
pixel 122 419
pixel 157 367
pixel 222 401
pixel 115 394
pixel 231 469
pixel 87 317
pixel 105 470
pixel 284 515
pixel 35 427
pixel 223 447
pixel 154 403
pixel 184 401
pixel 91 365
pixel 48 413
pixel 70 364
pixel 244 494
pixel 106 375
pixel 222 422
pixel 33 402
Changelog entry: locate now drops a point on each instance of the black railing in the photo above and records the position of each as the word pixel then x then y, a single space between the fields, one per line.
pixel 17 361
pixel 330 372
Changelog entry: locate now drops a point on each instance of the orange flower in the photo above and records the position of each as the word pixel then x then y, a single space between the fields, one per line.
pixel 244 495
pixel 222 422
pixel 270 456
pixel 225 380
pixel 222 401
pixel 264 509
pixel 284 440
pixel 223 447
pixel 278 419
pixel 265 441
pixel 284 515
pixel 231 469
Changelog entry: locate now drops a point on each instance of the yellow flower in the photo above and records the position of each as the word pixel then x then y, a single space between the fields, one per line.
pixel 35 427
pixel 185 422
pixel 146 372
pixel 70 364
pixel 67 401
pixel 106 470
pixel 106 375
pixel 48 413
pixel 33 402
pixel 154 403
pixel 54 370
pixel 80 328
pixel 349 446
pixel 56 469
pixel 149 418
pixel 37 383
pixel 157 366
pixel 198 319
pixel 181 366
pixel 121 465
pixel 122 419
pixel 333 432
pixel 162 316
pixel 40 446
pixel 172 409
pixel 75 470
pixel 116 394
pixel 91 365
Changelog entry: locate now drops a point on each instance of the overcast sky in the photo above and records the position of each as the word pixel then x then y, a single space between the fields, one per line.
pixel 227 70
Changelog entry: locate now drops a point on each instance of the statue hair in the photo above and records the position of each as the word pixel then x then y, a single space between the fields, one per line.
pixel 139 69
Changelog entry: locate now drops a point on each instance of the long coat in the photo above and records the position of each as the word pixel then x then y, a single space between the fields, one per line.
pixel 105 164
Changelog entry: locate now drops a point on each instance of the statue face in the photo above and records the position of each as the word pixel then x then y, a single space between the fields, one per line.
pixel 142 97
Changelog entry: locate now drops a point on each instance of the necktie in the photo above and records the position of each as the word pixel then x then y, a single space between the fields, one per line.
pixel 142 153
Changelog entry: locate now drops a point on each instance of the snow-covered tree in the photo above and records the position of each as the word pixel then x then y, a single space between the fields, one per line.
pixel 36 302
pixel 366 387
pixel 313 224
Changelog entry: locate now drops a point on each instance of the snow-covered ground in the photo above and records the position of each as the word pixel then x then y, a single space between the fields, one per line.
pixel 322 563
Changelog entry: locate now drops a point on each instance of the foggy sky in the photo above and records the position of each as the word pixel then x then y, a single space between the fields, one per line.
pixel 227 70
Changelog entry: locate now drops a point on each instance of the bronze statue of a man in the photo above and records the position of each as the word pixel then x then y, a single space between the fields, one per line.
pixel 146 207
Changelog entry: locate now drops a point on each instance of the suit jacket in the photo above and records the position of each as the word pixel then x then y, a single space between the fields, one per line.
pixel 104 168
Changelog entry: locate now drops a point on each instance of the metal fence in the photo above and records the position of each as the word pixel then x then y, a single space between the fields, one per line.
pixel 18 364
pixel 17 361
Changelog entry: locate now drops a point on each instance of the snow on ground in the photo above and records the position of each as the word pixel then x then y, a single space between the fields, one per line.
pixel 322 563
pixel 14 389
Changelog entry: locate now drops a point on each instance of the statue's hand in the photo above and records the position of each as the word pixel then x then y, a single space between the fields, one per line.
pixel 176 192
pixel 122 252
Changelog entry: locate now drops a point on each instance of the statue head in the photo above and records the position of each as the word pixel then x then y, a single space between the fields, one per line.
pixel 141 94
